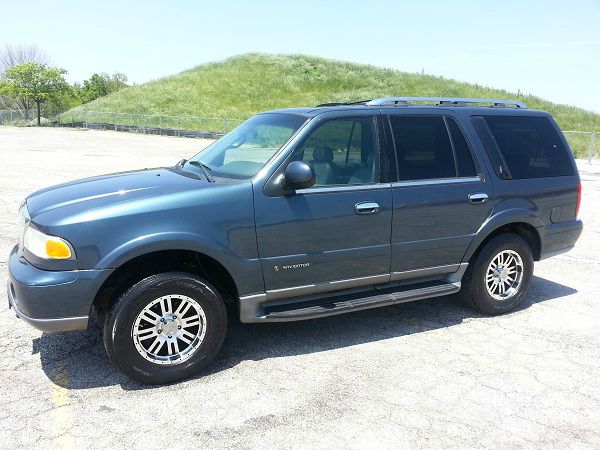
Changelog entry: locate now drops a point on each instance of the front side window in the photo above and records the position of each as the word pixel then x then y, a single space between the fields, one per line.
pixel 342 151
pixel 423 148
pixel 242 152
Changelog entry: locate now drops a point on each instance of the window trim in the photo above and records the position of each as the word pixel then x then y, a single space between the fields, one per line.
pixel 452 146
pixel 343 188
pixel 437 181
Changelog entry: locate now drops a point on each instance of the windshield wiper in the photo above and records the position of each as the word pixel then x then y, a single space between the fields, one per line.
pixel 205 169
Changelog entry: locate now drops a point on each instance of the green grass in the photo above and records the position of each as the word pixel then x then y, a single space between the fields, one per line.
pixel 244 85
pixel 580 144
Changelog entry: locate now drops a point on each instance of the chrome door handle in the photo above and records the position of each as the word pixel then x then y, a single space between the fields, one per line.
pixel 366 208
pixel 479 197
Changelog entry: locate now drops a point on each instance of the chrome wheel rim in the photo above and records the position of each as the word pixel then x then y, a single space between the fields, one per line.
pixel 504 275
pixel 169 329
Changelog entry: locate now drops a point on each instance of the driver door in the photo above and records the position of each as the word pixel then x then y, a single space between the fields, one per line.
pixel 338 232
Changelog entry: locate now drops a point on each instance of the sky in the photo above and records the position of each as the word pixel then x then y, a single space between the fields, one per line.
pixel 546 48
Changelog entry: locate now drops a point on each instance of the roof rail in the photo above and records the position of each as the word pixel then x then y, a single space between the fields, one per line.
pixel 360 102
pixel 444 101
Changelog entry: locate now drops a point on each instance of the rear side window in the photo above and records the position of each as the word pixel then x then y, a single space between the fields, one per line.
pixel 464 160
pixel 530 147
pixel 425 150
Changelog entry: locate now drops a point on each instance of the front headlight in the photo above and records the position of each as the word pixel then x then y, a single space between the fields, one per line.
pixel 46 247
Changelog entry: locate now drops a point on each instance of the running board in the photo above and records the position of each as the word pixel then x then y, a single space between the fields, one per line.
pixel 333 305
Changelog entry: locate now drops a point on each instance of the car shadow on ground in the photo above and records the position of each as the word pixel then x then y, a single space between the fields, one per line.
pixel 79 361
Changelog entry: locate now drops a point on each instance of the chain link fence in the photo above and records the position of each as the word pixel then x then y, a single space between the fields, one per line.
pixel 18 118
pixel 585 144
pixel 190 126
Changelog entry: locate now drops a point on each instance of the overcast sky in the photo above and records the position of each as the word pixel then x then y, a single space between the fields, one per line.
pixel 546 48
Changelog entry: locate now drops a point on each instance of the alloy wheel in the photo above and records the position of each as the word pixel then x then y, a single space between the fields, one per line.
pixel 169 329
pixel 504 275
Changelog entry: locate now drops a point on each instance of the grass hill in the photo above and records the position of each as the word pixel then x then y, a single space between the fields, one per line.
pixel 243 85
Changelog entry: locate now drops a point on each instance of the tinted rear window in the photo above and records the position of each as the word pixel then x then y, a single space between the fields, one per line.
pixel 423 148
pixel 530 146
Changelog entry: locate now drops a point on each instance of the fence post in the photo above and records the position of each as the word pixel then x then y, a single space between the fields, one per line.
pixel 86 119
pixel 11 116
pixel 592 147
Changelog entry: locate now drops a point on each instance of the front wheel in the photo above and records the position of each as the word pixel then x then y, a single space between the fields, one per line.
pixel 166 327
pixel 497 280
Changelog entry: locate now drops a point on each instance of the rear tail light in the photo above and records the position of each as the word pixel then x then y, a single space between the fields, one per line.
pixel 578 200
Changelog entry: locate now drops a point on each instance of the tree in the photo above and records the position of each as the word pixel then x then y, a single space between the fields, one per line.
pixel 100 85
pixel 95 87
pixel 34 82
pixel 13 55
pixel 63 101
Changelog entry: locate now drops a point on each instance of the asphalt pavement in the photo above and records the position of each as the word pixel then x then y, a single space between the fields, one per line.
pixel 429 374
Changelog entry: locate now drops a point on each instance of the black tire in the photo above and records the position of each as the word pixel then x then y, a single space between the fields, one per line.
pixel 474 292
pixel 118 330
pixel 101 314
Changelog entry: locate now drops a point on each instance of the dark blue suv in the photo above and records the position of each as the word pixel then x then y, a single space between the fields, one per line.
pixel 298 214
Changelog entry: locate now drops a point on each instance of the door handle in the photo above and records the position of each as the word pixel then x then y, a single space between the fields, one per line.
pixel 479 197
pixel 366 208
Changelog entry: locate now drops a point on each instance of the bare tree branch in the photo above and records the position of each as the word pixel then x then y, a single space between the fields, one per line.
pixel 19 54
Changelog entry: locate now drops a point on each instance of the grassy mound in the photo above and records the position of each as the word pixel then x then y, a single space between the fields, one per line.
pixel 243 85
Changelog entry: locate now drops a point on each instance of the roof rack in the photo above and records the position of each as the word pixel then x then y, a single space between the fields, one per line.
pixel 360 102
pixel 443 101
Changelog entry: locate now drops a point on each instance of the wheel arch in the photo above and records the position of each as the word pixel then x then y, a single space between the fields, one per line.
pixel 524 225
pixel 154 261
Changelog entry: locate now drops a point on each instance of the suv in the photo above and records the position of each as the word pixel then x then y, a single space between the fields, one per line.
pixel 298 214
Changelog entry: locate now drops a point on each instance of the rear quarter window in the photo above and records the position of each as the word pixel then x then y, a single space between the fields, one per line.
pixel 529 146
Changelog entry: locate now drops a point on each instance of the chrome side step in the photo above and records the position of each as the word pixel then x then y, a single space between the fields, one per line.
pixel 333 305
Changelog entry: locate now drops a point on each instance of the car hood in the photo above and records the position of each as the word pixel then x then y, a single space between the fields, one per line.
pixel 118 187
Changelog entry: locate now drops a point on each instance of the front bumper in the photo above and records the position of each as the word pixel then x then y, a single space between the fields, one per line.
pixel 52 301
pixel 63 324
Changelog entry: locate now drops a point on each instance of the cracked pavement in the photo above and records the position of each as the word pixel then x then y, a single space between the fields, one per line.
pixel 429 374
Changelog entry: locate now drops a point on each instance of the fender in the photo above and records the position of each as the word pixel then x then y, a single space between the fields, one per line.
pixel 246 273
pixel 499 219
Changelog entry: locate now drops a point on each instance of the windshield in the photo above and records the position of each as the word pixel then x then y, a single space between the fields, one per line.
pixel 245 150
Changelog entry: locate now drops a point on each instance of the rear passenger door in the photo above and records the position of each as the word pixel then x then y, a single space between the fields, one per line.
pixel 440 196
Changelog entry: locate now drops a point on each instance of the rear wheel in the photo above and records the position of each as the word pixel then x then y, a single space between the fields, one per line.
pixel 497 280
pixel 165 328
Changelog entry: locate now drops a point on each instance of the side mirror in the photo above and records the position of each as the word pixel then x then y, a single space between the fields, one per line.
pixel 298 175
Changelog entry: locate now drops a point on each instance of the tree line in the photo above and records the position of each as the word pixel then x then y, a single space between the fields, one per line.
pixel 29 81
